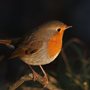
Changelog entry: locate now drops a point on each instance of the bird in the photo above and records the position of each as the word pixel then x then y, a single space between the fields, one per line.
pixel 42 46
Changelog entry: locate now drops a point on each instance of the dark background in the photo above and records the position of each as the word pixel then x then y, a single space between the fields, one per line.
pixel 20 16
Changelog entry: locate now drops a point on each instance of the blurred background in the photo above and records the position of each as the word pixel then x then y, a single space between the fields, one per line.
pixel 20 16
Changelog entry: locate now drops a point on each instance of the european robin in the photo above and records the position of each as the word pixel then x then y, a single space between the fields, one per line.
pixel 42 46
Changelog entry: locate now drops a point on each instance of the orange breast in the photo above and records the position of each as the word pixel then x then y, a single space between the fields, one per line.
pixel 55 45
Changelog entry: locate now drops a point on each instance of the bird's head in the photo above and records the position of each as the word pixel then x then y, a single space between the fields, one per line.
pixel 57 29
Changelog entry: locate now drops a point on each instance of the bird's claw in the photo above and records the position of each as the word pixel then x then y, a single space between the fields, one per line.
pixel 45 81
pixel 35 76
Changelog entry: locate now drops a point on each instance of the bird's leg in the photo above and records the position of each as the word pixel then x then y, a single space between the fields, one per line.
pixel 45 78
pixel 35 74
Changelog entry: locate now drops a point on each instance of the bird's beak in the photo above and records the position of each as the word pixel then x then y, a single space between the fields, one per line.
pixel 67 27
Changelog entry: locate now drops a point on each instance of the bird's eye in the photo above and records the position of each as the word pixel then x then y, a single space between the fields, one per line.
pixel 58 29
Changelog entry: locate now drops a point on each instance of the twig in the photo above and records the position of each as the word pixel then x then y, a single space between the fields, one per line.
pixel 64 55
pixel 29 77
pixel 66 61
pixel 5 42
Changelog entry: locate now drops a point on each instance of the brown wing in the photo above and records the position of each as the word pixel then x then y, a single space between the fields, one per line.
pixel 29 46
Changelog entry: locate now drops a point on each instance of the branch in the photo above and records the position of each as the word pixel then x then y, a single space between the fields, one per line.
pixel 50 85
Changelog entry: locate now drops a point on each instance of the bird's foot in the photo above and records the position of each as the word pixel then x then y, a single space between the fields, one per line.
pixel 45 80
pixel 35 76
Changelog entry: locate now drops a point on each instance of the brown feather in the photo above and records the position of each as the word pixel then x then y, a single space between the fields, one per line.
pixel 27 48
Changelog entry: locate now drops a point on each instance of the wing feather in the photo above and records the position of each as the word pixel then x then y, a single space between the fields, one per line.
pixel 28 46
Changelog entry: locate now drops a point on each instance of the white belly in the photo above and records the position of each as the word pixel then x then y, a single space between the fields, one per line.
pixel 39 58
